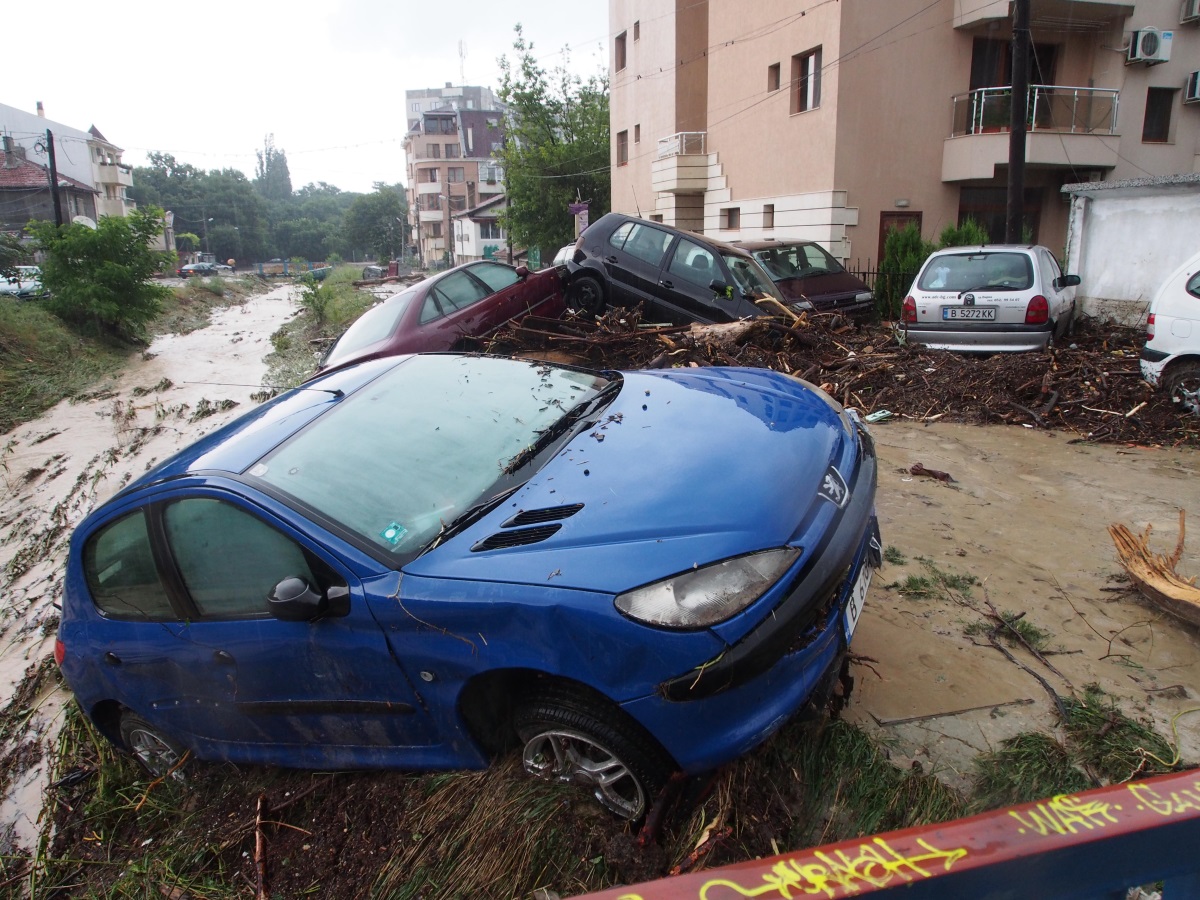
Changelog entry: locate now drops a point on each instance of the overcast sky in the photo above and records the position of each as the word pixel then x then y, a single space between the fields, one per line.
pixel 208 82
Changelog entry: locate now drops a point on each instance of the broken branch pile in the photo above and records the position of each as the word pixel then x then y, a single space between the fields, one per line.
pixel 1091 386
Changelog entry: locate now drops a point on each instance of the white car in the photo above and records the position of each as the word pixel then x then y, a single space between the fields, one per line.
pixel 564 255
pixel 991 298
pixel 25 286
pixel 1171 356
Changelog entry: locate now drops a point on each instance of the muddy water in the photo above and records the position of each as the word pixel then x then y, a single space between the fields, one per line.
pixel 1027 516
pixel 58 468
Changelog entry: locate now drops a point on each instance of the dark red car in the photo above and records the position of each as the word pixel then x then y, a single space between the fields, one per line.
pixel 455 310
pixel 804 270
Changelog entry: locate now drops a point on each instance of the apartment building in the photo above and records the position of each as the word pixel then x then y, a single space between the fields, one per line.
pixel 837 121
pixel 454 134
pixel 85 156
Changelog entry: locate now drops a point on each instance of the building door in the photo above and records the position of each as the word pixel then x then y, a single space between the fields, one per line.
pixel 890 221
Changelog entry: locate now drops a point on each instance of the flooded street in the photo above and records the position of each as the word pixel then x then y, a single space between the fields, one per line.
pixel 1026 516
pixel 58 467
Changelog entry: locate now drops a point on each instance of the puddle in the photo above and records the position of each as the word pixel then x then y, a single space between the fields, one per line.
pixel 57 468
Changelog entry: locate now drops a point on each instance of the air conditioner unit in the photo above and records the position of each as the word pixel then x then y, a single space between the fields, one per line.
pixel 1149 45
pixel 1191 90
pixel 1190 12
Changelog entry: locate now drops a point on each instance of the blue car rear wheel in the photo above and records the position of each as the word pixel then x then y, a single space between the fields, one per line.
pixel 158 754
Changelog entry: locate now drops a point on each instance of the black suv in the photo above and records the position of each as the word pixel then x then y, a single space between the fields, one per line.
pixel 680 276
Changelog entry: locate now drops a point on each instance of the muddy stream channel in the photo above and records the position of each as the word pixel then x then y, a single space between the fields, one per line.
pixel 1026 516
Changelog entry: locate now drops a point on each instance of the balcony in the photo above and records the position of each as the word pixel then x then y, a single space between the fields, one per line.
pixel 1077 15
pixel 431 215
pixel 1067 127
pixel 682 163
pixel 115 173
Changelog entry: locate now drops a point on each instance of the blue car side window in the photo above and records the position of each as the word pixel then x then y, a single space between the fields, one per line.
pixel 229 560
pixel 121 574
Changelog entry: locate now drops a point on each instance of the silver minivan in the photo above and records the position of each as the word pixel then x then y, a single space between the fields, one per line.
pixel 990 298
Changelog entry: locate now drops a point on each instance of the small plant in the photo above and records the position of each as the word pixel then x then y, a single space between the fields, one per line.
pixel 1031 766
pixel 316 298
pixel 1033 636
pixel 1109 743
pixel 934 583
pixel 894 556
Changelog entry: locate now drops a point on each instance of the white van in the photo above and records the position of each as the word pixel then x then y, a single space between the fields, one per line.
pixel 1171 357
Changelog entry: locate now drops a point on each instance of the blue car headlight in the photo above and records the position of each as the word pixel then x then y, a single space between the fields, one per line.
pixel 707 595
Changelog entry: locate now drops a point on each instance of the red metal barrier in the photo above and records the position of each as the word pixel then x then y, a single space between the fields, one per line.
pixel 1074 845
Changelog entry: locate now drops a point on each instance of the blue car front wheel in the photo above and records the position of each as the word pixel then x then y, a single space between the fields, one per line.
pixel 573 738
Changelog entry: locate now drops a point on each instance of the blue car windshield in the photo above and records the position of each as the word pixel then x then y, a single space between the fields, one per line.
pixel 406 455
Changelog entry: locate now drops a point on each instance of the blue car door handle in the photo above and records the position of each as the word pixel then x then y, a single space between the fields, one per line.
pixel 611 259
pixel 222 657
pixel 669 285
pixel 112 659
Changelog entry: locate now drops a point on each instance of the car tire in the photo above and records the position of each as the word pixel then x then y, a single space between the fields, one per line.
pixel 154 751
pixel 1182 384
pixel 574 737
pixel 586 295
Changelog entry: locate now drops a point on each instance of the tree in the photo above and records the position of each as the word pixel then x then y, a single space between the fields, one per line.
pixel 555 148
pixel 99 279
pixel 12 253
pixel 271 175
pixel 377 223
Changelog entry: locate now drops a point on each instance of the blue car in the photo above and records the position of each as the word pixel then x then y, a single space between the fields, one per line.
pixel 422 561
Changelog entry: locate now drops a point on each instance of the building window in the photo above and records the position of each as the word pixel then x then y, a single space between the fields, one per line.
pixel 1156 129
pixel 435 229
pixel 773 78
pixel 433 151
pixel 731 217
pixel 490 231
pixel 619 47
pixel 637 30
pixel 806 80
pixel 768 215
pixel 456 174
pixel 430 176
pixel 458 204
pixel 452 151
pixel 637 134
pixel 656 217
pixel 489 174
pixel 622 148
pixel 416 107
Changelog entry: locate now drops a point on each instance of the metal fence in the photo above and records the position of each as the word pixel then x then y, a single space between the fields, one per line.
pixel 1093 844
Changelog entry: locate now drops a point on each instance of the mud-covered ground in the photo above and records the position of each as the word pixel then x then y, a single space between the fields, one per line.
pixel 1044 451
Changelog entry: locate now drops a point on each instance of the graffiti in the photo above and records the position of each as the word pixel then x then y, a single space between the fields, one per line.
pixel 1176 802
pixel 1064 815
pixel 824 872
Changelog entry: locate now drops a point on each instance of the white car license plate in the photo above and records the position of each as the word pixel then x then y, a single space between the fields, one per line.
pixel 976 313
pixel 858 596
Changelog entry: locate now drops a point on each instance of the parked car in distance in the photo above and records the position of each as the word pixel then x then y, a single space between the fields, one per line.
pixel 421 561
pixel 202 269
pixel 990 298
pixel 457 309
pixel 1171 355
pixel 679 276
pixel 804 270
pixel 26 284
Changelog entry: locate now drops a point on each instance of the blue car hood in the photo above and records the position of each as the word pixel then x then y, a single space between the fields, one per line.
pixel 685 467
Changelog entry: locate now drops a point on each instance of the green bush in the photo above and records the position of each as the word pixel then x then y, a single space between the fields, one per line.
pixel 904 251
pixel 99 278
pixel 316 298
pixel 966 234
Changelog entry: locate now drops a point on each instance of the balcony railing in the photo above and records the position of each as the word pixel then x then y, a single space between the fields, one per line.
pixel 684 143
pixel 1070 110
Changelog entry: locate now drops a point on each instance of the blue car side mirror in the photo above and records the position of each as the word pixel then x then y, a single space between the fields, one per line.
pixel 295 600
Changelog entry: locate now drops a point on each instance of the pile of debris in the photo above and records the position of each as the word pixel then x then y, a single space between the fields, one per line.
pixel 1091 386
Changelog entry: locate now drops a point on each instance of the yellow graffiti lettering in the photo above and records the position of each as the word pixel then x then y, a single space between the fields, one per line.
pixel 1064 814
pixel 1178 802
pixel 875 864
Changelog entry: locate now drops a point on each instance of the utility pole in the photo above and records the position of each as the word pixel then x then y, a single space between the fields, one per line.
pixel 58 219
pixel 449 223
pixel 1016 124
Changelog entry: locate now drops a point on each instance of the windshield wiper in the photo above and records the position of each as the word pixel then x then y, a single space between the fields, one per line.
pixel 576 413
pixel 982 287
pixel 471 515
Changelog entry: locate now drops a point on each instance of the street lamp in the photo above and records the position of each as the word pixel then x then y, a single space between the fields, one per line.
pixel 206 221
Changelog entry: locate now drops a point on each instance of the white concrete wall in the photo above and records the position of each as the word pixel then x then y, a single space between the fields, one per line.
pixel 1122 244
